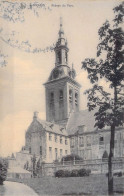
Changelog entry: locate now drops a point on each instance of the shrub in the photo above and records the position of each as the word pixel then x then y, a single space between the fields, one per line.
pixel 88 171
pixel 3 170
pixel 59 173
pixel 67 173
pixel 75 173
pixel 84 172
pixel 119 174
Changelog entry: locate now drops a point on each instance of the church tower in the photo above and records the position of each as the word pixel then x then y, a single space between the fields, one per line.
pixel 62 90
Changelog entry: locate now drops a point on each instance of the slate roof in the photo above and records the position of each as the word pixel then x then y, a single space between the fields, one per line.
pixel 86 119
pixel 38 125
pixel 83 117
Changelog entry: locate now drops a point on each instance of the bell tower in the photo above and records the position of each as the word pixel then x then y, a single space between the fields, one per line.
pixel 61 49
pixel 62 90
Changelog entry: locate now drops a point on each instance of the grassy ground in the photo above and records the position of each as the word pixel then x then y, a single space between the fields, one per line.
pixel 93 185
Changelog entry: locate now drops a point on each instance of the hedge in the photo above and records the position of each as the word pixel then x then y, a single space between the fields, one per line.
pixel 72 173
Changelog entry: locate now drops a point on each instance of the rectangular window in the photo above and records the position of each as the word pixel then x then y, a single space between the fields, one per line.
pixel 51 97
pixel 81 153
pixel 72 142
pixel 115 144
pixel 66 141
pixel 88 140
pixel 56 153
pixel 55 137
pixel 50 136
pixel 81 141
pixel 66 152
pixel 40 150
pixel 70 95
pixel 29 150
pixel 50 152
pixel 60 139
pixel 60 153
pixel 101 140
pixel 76 99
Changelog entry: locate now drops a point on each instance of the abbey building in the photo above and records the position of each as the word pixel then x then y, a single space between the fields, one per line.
pixel 66 129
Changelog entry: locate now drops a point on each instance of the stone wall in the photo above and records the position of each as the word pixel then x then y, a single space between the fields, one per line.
pixel 96 166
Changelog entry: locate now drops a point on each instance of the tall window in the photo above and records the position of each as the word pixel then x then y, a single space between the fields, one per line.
pixel 60 153
pixel 51 97
pixel 70 95
pixel 101 140
pixel 40 150
pixel 66 57
pixel 59 57
pixel 81 153
pixel 81 141
pixel 88 140
pixel 60 95
pixel 56 153
pixel 66 141
pixel 50 152
pixel 30 150
pixel 50 136
pixel 55 137
pixel 76 98
pixel 66 152
pixel 60 139
pixel 72 142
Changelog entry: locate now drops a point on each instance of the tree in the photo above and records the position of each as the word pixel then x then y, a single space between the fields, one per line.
pixel 109 67
pixel 71 157
pixel 38 166
pixel 33 159
pixel 3 170
pixel 26 165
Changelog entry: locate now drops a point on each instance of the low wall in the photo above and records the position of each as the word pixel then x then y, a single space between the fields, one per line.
pixel 96 166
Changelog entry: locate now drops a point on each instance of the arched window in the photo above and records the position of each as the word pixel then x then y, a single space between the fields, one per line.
pixel 51 97
pixel 66 57
pixel 61 95
pixel 76 98
pixel 59 57
pixel 70 95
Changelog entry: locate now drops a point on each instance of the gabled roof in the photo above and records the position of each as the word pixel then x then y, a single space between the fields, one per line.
pixel 86 120
pixel 39 125
pixel 83 117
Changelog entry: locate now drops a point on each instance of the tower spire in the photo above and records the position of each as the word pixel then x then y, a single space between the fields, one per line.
pixel 61 31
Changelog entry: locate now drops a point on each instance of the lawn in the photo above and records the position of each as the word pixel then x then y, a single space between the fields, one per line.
pixel 92 185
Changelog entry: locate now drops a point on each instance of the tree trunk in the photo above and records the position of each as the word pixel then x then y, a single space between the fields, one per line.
pixel 111 155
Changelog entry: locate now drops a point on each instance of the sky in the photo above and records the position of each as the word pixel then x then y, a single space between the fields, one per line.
pixel 21 81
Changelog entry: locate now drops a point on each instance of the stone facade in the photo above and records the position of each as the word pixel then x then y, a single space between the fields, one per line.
pixel 48 141
pixel 94 145
pixel 62 90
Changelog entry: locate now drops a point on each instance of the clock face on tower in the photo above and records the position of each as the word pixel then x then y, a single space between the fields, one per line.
pixel 55 73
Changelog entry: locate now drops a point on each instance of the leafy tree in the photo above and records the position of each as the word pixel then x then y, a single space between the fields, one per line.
pixel 109 67
pixel 71 157
pixel 3 170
